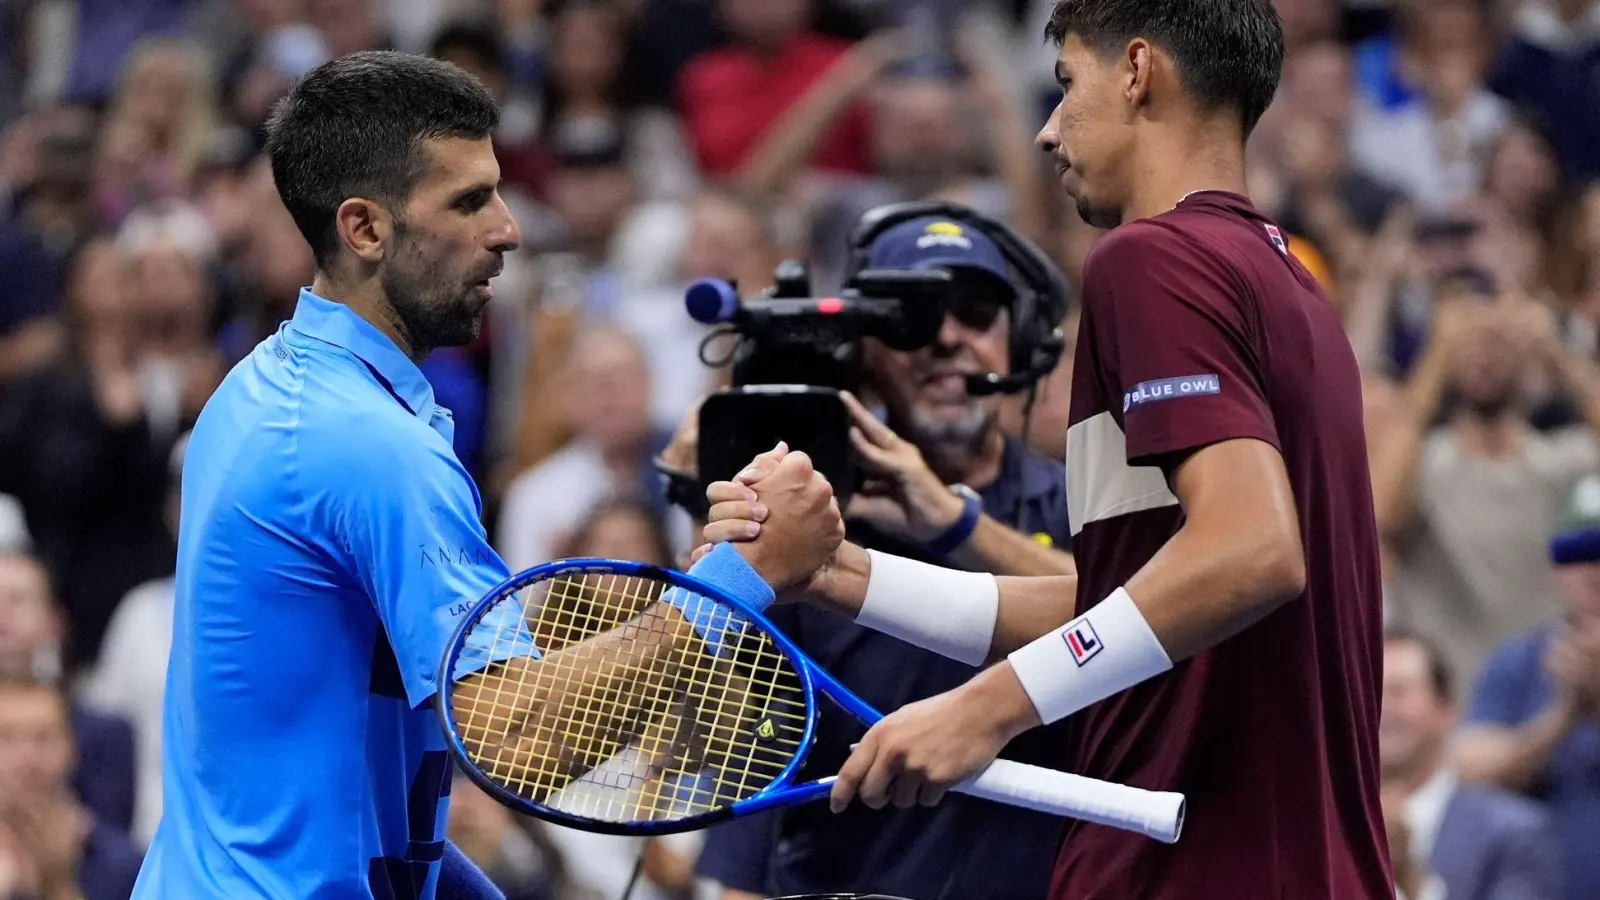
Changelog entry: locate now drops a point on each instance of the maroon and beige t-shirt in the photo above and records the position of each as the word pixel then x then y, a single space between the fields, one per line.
pixel 1199 327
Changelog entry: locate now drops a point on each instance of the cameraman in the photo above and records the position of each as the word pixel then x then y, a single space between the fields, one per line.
pixel 944 484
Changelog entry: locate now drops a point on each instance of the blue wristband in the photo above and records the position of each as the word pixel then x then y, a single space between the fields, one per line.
pixel 723 568
pixel 957 534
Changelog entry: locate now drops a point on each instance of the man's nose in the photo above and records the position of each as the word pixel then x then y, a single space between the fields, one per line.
pixel 952 334
pixel 506 235
pixel 1048 138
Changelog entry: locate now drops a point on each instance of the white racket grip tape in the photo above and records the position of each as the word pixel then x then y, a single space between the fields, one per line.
pixel 1154 814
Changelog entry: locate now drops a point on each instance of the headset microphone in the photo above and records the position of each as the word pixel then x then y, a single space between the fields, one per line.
pixel 991 383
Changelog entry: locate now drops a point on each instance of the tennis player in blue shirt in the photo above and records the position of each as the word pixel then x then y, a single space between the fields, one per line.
pixel 328 534
pixel 329 538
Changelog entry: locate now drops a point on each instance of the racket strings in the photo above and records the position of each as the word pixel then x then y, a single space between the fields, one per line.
pixel 649 725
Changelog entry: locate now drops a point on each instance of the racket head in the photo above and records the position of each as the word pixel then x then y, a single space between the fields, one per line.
pixel 775 672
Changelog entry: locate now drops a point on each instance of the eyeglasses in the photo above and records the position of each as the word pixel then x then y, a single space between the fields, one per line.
pixel 973 310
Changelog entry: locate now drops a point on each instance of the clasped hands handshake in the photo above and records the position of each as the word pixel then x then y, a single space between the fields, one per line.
pixel 782 516
pixel 902 496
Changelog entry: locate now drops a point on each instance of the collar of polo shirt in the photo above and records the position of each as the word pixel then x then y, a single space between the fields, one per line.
pixel 336 324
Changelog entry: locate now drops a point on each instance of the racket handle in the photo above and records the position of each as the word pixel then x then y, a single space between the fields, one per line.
pixel 1155 814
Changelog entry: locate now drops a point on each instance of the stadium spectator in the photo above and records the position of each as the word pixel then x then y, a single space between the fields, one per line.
pixel 32 630
pixel 1523 178
pixel 51 847
pixel 105 33
pixel 81 448
pixel 45 170
pixel 587 91
pixel 605 385
pixel 1550 65
pixel 1464 503
pixel 926 142
pixel 162 118
pixel 730 236
pixel 730 97
pixel 1434 148
pixel 1311 185
pixel 1533 722
pixel 1465 840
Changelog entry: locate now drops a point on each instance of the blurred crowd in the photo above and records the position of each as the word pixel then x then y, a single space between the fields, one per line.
pixel 1436 164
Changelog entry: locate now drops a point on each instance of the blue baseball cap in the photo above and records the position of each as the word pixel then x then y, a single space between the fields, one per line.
pixel 935 242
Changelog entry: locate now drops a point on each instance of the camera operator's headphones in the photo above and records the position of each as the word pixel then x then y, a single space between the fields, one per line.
pixel 1043 295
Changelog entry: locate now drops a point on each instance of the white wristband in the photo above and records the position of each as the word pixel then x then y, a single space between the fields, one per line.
pixel 1102 652
pixel 947 611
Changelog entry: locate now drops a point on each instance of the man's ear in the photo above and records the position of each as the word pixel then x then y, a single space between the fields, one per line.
pixel 364 227
pixel 1138 71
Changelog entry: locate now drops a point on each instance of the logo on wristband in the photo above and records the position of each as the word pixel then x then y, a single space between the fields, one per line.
pixel 1082 641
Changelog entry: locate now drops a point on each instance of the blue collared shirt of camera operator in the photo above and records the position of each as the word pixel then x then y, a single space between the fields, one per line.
pixel 329 543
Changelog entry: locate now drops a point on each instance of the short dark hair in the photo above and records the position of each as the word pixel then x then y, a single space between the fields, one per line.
pixel 354 126
pixel 1229 52
pixel 1439 672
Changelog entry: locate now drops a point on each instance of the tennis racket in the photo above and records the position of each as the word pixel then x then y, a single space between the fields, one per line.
pixel 624 698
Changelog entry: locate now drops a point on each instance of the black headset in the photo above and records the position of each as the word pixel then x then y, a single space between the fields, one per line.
pixel 1043 295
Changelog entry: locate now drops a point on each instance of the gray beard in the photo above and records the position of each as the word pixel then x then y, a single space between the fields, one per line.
pixel 951 437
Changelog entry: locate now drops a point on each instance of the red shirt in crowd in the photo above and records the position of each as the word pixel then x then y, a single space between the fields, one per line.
pixel 730 98
pixel 1199 326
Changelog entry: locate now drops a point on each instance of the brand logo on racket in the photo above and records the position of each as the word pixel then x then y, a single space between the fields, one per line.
pixel 766 732
pixel 1082 641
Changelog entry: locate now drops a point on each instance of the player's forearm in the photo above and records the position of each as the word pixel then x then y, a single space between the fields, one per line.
pixel 918 603
pixel 993 547
pixel 1205 585
pixel 1514 758
pixel 1030 608
pixel 605 682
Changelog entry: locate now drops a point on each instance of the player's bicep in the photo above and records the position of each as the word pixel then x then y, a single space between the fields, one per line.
pixel 419 549
pixel 1185 359
pixel 1240 487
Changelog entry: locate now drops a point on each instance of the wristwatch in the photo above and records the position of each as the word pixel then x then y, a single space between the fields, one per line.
pixel 957 534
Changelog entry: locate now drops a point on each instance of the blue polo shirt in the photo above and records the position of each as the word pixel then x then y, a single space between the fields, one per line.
pixel 962 849
pixel 328 543
pixel 1513 690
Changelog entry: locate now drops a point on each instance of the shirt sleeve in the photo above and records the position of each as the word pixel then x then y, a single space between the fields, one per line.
pixel 1182 345
pixel 405 517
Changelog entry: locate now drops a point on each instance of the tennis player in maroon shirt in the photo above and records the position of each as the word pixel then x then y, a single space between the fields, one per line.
pixel 1223 635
